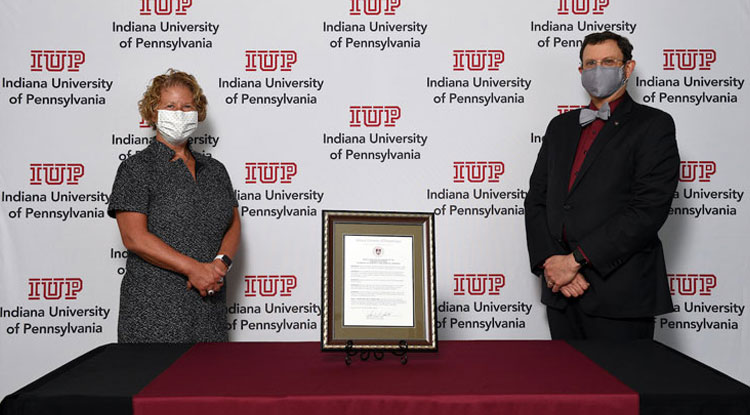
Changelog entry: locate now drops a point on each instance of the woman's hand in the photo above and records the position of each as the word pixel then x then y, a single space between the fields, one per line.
pixel 205 277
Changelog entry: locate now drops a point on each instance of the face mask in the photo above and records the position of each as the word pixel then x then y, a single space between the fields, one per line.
pixel 601 82
pixel 176 126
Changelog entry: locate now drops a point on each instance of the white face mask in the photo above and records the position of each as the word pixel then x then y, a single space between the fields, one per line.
pixel 176 126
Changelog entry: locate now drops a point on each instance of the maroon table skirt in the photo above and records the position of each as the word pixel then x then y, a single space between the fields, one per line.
pixel 465 377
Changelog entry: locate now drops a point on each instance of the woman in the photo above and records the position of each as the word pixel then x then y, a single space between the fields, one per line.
pixel 178 219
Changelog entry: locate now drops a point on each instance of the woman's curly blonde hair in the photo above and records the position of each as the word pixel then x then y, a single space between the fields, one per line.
pixel 147 105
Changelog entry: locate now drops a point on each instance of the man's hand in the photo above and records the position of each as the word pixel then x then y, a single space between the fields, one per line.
pixel 575 288
pixel 559 270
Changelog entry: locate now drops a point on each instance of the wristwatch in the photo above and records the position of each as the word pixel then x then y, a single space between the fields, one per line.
pixel 580 259
pixel 226 260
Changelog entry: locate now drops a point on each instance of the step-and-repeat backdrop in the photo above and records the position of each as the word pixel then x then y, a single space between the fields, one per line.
pixel 392 105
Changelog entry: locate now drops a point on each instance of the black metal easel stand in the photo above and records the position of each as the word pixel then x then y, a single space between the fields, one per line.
pixel 378 354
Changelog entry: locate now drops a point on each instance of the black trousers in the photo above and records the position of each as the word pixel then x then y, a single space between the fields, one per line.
pixel 572 323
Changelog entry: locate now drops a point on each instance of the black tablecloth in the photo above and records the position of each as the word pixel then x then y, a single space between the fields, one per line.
pixel 668 382
pixel 102 381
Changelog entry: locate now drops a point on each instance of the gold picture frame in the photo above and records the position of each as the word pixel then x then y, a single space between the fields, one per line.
pixel 378 288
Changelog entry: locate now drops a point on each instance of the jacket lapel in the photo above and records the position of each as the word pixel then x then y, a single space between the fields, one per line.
pixel 608 132
pixel 568 150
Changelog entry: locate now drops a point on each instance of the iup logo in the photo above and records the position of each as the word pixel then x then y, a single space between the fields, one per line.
pixel 689 59
pixel 270 285
pixel 478 171
pixel 165 7
pixel 477 60
pixel 562 109
pixel 56 173
pixel 691 284
pixel 270 172
pixel 57 60
pixel 374 115
pixel 374 7
pixel 54 288
pixel 581 7
pixel 478 284
pixel 270 60
pixel 702 171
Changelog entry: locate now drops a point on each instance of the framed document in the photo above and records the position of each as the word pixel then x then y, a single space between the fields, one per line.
pixel 378 289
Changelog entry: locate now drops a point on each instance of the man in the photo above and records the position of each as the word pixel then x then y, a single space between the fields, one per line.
pixel 599 193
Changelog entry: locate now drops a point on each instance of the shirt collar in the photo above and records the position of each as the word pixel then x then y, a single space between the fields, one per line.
pixel 612 105
pixel 163 152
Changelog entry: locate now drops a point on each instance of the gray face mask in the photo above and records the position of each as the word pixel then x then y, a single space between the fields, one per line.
pixel 601 82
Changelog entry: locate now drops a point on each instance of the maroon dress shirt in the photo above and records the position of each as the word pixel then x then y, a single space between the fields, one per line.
pixel 588 135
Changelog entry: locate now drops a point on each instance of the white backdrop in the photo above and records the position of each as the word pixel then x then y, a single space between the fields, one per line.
pixel 461 91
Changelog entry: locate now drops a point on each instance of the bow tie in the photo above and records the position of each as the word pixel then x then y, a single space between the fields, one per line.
pixel 587 116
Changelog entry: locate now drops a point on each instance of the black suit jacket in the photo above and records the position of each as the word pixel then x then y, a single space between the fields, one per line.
pixel 618 202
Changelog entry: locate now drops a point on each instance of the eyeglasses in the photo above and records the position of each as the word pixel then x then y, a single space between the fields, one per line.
pixel 606 62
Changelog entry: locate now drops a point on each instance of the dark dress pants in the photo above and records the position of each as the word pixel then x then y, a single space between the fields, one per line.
pixel 571 323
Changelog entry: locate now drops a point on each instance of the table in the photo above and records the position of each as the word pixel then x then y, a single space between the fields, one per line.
pixel 464 377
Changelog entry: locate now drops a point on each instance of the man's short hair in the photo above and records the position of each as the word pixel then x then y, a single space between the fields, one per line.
pixel 596 38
